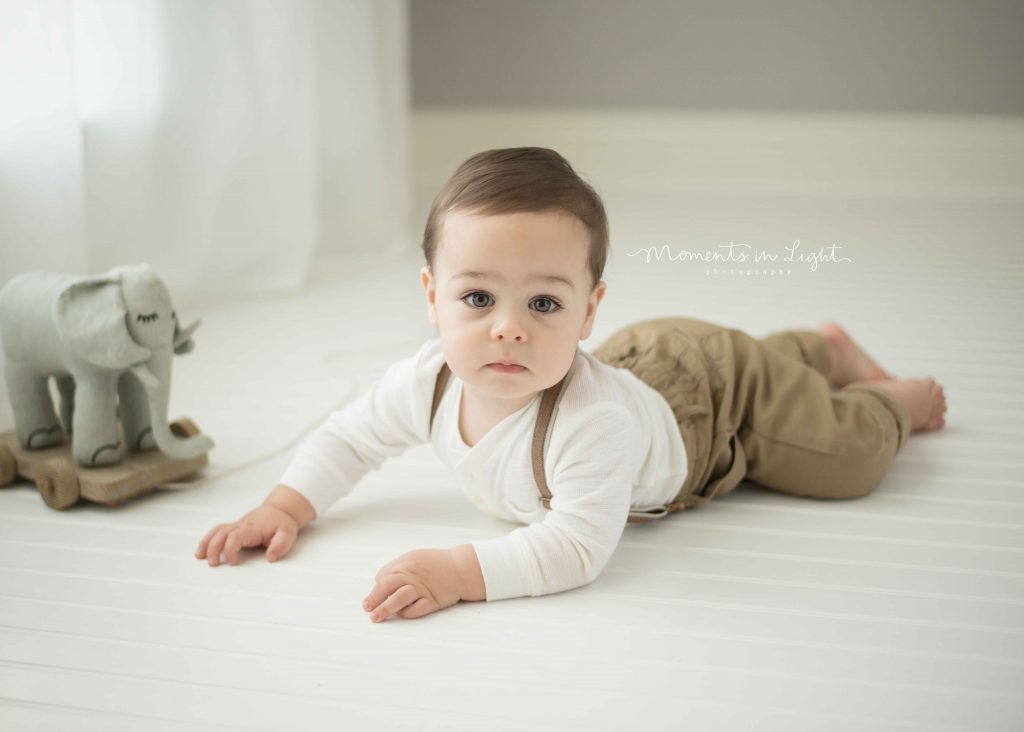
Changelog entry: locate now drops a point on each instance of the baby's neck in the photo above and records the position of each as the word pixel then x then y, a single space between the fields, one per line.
pixel 478 415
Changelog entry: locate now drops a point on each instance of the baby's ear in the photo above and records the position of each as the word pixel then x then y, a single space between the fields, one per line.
pixel 595 299
pixel 429 286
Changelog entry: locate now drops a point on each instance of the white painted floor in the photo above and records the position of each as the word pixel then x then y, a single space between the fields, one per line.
pixel 902 610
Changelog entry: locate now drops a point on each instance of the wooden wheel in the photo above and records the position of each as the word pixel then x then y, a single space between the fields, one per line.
pixel 58 484
pixel 8 466
pixel 184 427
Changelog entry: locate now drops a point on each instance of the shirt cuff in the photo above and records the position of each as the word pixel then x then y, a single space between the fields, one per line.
pixel 505 572
pixel 318 484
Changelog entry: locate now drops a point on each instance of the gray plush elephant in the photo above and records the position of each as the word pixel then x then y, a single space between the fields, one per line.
pixel 108 341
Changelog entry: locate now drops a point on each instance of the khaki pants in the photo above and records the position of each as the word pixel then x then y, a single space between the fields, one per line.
pixel 762 409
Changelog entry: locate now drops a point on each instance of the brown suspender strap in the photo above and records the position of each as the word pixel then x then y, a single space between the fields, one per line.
pixel 541 433
pixel 442 381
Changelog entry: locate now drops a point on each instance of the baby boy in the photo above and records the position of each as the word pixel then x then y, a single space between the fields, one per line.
pixel 663 415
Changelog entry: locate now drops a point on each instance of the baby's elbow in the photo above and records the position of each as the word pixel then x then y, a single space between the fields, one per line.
pixel 596 571
pixel 592 563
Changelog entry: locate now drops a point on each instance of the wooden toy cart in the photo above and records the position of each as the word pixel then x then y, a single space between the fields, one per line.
pixel 62 482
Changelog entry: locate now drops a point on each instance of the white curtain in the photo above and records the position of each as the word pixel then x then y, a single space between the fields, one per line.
pixel 228 144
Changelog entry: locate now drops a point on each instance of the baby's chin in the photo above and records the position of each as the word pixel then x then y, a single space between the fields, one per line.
pixel 519 381
pixel 506 385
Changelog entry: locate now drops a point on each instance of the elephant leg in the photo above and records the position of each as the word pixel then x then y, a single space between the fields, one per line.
pixel 134 407
pixel 66 387
pixel 35 421
pixel 96 439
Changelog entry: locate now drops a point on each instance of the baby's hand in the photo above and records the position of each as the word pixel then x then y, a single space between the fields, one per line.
pixel 266 525
pixel 415 584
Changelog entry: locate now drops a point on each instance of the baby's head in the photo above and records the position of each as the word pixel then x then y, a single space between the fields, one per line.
pixel 515 244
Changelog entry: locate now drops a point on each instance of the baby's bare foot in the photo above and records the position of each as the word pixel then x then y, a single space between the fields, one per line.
pixel 849 362
pixel 924 398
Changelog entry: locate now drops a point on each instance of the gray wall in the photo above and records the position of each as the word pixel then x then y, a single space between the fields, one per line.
pixel 910 56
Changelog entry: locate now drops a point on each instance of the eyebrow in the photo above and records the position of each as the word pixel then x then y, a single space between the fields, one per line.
pixel 500 278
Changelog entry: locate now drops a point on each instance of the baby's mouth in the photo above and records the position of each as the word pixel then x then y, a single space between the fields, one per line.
pixel 511 368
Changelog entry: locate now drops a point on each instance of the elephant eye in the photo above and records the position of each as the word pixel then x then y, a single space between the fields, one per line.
pixel 146 318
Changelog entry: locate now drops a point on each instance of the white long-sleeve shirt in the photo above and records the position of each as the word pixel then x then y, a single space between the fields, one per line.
pixel 614 445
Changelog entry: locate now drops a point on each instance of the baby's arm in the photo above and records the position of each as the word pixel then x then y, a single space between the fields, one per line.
pixel 275 524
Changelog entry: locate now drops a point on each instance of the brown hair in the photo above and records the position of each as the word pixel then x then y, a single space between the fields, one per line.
pixel 516 179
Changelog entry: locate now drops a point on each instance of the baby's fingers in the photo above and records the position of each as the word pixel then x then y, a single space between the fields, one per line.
pixel 404 596
pixel 205 541
pixel 242 536
pixel 280 544
pixel 216 543
pixel 201 549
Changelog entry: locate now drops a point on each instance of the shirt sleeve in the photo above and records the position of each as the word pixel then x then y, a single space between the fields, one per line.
pixel 392 415
pixel 591 492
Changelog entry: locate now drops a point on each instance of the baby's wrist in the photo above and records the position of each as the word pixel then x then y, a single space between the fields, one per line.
pixel 287 499
pixel 471 578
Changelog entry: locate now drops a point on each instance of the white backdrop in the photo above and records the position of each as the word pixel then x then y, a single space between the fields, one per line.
pixel 222 142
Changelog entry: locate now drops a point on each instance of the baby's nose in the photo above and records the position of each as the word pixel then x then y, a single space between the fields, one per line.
pixel 509 329
pixel 510 333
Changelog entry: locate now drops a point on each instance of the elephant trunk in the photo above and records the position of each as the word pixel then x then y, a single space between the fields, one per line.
pixel 155 376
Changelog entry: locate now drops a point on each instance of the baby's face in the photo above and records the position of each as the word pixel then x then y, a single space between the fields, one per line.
pixel 508 311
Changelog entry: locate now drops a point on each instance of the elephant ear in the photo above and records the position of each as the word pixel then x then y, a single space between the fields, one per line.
pixel 183 342
pixel 91 318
